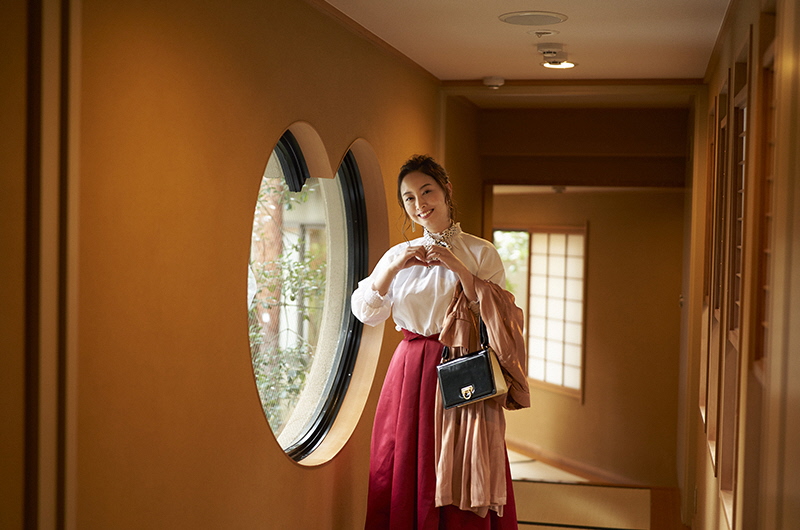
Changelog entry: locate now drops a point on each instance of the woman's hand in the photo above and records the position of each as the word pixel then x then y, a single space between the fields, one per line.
pixel 444 257
pixel 410 257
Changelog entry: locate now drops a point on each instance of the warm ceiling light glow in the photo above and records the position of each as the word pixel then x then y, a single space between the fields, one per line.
pixel 562 65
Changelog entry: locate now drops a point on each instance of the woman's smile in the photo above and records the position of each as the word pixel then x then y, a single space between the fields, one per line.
pixel 425 214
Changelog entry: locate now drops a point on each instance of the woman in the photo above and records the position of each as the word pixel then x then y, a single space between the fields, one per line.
pixel 415 282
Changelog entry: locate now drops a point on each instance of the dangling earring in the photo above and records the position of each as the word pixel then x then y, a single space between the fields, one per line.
pixel 413 226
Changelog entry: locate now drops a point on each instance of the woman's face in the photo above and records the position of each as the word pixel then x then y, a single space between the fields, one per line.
pixel 424 201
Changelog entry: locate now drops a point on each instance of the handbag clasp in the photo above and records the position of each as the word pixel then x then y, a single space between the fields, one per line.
pixel 467 391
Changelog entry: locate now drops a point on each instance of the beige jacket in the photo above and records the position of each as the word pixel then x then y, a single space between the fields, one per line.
pixel 470 440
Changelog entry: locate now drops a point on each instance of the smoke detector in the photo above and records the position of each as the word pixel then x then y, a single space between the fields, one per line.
pixel 494 82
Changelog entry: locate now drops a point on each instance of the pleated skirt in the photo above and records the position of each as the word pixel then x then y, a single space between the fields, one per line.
pixel 402 477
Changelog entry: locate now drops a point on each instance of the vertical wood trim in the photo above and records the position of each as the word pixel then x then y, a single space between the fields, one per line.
pixel 46 256
pixel 32 273
pixel 782 431
pixel 696 334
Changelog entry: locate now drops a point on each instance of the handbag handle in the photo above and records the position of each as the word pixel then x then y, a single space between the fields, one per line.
pixel 484 338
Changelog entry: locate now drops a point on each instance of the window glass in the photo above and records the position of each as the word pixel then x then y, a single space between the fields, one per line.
pixel 554 292
pixel 303 264
pixel 514 249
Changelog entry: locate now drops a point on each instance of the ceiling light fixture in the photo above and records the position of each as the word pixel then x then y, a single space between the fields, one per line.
pixel 533 18
pixel 558 64
pixel 554 56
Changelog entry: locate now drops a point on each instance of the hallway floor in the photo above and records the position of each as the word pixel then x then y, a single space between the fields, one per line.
pixel 526 468
pixel 550 498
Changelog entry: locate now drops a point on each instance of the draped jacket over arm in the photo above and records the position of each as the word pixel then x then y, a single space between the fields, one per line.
pixel 470 444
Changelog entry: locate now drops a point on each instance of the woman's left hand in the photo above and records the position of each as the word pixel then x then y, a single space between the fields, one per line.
pixel 444 257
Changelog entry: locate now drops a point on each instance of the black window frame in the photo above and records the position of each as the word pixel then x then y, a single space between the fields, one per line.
pixel 293 163
pixel 296 173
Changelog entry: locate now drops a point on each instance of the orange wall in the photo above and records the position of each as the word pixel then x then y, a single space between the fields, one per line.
pixel 181 104
pixel 463 163
pixel 626 428
pixel 12 260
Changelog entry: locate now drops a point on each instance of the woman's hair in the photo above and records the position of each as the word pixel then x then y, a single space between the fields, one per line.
pixel 427 165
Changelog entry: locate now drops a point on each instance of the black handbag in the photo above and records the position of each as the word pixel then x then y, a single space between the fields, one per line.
pixel 472 377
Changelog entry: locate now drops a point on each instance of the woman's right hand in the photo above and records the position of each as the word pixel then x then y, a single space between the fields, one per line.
pixel 410 257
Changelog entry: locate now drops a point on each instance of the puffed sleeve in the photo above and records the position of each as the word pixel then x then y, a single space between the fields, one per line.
pixel 367 305
pixel 491 266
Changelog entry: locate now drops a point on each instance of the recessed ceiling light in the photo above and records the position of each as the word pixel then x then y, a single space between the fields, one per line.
pixel 533 18
pixel 561 65
pixel 554 56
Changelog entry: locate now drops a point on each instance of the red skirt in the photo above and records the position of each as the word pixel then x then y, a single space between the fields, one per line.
pixel 402 472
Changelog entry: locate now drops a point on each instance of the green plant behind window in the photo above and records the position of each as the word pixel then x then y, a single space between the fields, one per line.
pixel 288 270
pixel 513 245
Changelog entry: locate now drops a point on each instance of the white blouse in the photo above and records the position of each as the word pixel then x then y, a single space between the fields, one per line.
pixel 418 296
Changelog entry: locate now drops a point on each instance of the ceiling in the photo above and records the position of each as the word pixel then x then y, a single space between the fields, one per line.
pixel 636 41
